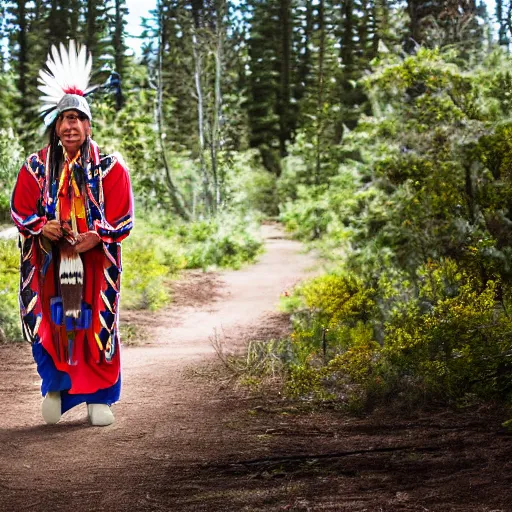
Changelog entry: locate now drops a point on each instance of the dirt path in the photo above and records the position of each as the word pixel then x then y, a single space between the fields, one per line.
pixel 187 443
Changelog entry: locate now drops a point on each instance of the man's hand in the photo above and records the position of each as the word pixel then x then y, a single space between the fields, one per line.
pixel 52 230
pixel 87 241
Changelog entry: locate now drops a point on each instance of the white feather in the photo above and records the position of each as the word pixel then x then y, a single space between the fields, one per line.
pixel 50 92
pixel 49 87
pixel 46 106
pixel 68 69
pixel 65 64
pixel 58 69
pixel 47 99
pixel 47 79
pixel 81 61
pixel 74 73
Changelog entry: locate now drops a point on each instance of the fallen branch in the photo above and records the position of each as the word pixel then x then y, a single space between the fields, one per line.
pixel 330 455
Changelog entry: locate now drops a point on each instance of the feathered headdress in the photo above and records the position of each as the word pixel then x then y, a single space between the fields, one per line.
pixel 67 82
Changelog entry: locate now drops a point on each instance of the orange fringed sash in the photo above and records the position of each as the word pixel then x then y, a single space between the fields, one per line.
pixel 71 206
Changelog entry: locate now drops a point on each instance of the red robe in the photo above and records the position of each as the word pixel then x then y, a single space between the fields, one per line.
pixel 92 360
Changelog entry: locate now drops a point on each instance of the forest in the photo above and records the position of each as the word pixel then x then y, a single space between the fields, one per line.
pixel 378 132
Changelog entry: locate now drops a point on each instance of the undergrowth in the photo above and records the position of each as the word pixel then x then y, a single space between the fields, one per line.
pixel 153 254
pixel 355 347
pixel 9 284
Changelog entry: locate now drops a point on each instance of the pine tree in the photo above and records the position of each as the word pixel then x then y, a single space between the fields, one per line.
pixel 440 23
pixel 302 43
pixel 118 38
pixel 270 91
pixel 59 22
pixel 26 34
pixel 319 106
pixel 234 119
pixel 118 42
pixel 357 27
pixel 97 34
pixel 20 53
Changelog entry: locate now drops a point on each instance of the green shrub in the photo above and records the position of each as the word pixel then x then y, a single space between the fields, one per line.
pixel 332 346
pixel 449 340
pixel 11 159
pixel 460 345
pixel 9 285
pixel 304 381
pixel 249 186
pixel 150 258
pixel 309 215
pixel 224 241
pixel 349 379
pixel 338 299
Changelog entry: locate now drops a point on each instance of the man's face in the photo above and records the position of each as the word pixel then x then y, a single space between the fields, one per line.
pixel 72 128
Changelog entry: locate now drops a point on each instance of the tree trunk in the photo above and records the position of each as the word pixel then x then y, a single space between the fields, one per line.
pixel 215 142
pixel 198 68
pixel 414 26
pixel 176 197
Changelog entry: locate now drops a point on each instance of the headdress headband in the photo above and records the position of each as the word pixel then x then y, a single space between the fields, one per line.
pixel 65 86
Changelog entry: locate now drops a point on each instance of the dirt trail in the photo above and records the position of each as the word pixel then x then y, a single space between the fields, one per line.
pixel 187 443
pixel 162 414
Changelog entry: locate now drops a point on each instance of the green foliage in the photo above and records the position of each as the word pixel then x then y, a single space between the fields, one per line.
pixel 224 241
pixel 11 159
pixel 309 216
pixel 426 226
pixel 312 211
pixel 454 339
pixel 449 340
pixel 249 187
pixel 338 299
pixel 8 98
pixel 9 286
pixel 329 314
pixel 303 381
pixel 149 259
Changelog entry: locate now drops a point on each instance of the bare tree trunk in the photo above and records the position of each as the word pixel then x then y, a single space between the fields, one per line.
pixel 200 119
pixel 176 197
pixel 218 180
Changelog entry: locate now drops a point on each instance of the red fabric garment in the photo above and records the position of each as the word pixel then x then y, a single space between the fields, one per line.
pixel 95 358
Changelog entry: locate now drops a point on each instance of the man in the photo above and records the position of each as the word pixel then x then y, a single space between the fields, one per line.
pixel 72 207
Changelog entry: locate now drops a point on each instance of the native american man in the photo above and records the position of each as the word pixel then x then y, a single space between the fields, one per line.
pixel 72 207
